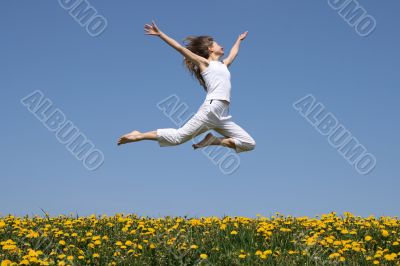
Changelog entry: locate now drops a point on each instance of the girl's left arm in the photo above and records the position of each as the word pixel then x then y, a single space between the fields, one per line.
pixel 235 49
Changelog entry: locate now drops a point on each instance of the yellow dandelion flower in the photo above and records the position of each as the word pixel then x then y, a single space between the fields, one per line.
pixel 203 256
pixel 367 238
pixel 32 234
pixel 267 252
pixel 334 255
pixel 3 224
pixel 6 262
pixel 24 262
pixel 310 241
pixel 33 253
pixel 337 243
pixel 390 257
pixel 33 259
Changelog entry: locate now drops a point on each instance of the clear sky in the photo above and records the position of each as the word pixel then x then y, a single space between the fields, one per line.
pixel 110 84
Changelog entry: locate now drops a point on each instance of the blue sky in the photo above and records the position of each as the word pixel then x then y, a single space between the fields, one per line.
pixel 110 84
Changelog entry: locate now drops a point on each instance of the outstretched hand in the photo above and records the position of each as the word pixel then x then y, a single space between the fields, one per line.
pixel 152 29
pixel 243 35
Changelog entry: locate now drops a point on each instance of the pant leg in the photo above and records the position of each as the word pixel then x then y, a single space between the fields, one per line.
pixel 243 141
pixel 196 125
pixel 226 127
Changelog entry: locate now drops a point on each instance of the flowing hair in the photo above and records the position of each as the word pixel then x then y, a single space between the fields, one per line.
pixel 198 45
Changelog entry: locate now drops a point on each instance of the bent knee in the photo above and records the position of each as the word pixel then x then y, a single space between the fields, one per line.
pixel 247 145
pixel 253 144
pixel 250 145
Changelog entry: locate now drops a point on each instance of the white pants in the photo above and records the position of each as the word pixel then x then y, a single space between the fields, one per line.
pixel 212 114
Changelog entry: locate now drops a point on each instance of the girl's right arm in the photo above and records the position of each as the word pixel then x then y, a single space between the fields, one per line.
pixel 196 59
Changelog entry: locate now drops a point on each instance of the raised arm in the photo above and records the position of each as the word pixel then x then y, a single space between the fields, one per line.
pixel 196 59
pixel 235 49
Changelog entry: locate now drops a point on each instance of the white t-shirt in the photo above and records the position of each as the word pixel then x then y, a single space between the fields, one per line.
pixel 217 79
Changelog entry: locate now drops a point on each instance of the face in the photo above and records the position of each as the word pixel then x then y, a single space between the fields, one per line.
pixel 217 49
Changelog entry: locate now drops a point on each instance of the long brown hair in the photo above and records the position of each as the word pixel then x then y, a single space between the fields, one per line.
pixel 198 45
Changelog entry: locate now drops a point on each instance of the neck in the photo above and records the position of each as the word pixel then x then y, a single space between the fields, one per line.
pixel 214 57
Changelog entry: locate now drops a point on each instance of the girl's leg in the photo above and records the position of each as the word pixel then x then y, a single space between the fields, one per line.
pixel 210 139
pixel 137 136
pixel 235 137
pixel 196 125
pixel 221 112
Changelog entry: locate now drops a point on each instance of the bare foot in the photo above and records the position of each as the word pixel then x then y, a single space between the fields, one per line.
pixel 209 138
pixel 130 137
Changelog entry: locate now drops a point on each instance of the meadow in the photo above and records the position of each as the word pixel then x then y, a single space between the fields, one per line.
pixel 129 239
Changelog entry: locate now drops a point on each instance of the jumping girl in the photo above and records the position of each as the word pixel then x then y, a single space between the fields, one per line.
pixel 202 58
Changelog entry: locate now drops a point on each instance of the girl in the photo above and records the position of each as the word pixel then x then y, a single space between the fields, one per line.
pixel 202 58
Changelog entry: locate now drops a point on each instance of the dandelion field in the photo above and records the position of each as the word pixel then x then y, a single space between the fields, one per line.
pixel 122 239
